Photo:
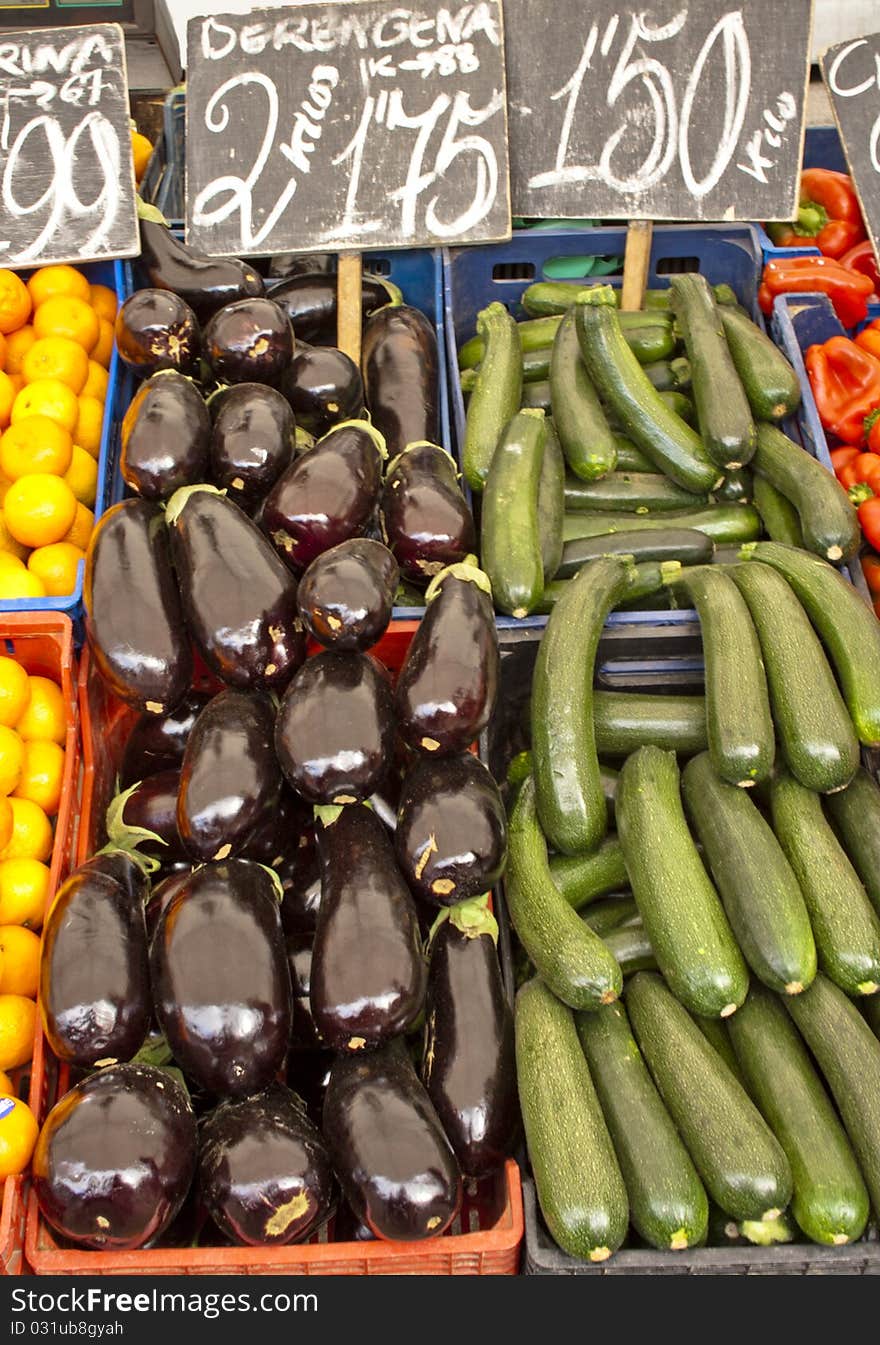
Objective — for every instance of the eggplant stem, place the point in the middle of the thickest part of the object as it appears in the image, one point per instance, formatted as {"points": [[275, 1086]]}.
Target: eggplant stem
{"points": [[177, 503], [124, 837], [467, 570], [359, 424]]}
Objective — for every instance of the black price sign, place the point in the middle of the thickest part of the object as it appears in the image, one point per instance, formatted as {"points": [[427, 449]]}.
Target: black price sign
{"points": [[332, 127], [67, 191], [672, 111], [852, 73]]}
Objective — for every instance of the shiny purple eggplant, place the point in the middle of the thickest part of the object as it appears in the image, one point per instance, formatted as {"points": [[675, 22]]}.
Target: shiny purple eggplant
{"points": [[323, 387], [309, 300], [304, 1036], [205, 283], [300, 875], [426, 521], [252, 442], [145, 816], [155, 330], [346, 595], [249, 341], [158, 743], [164, 436], [401, 374]]}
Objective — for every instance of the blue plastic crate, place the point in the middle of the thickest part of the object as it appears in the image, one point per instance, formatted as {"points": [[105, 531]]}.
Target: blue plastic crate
{"points": [[111, 274], [473, 277]]}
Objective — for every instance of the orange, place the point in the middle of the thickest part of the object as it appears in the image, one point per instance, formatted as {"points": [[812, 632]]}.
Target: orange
{"points": [[57, 357], [8, 394], [35, 444], [18, 1135], [17, 346], [89, 425], [12, 759], [16, 584], [7, 822], [103, 347], [15, 691], [97, 382], [17, 381], [24, 891], [47, 397], [141, 149], [42, 773], [104, 302], [7, 1087], [15, 302], [65, 315], [2, 351], [39, 509], [45, 717], [51, 281], [21, 961], [10, 562], [56, 566], [18, 1018], [81, 529], [31, 834], [82, 475]]}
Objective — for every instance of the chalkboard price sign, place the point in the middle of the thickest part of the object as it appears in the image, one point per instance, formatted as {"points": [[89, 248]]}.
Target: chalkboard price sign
{"points": [[664, 111], [852, 74], [67, 191], [331, 127]]}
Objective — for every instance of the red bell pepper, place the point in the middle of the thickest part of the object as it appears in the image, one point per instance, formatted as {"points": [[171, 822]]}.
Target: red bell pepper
{"points": [[866, 468], [872, 430], [846, 384], [871, 571], [863, 258], [840, 457], [847, 290], [869, 519], [869, 338], [829, 216]]}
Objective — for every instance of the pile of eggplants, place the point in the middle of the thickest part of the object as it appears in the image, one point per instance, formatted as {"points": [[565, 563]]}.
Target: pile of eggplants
{"points": [[281, 967]]}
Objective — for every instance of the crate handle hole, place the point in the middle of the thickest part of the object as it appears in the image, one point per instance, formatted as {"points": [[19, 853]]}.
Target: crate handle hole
{"points": [[513, 271], [671, 266], [379, 266]]}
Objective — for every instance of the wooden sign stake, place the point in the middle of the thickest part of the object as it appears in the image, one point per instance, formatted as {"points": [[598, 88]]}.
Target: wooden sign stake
{"points": [[348, 305], [636, 261]]}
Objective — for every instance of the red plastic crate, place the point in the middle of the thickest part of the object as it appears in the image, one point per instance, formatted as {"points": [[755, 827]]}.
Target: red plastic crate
{"points": [[484, 1240]]}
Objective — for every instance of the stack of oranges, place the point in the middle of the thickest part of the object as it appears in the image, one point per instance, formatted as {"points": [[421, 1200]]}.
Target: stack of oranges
{"points": [[56, 339]]}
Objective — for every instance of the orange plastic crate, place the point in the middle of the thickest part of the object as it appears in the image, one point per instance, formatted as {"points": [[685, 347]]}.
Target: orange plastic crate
{"points": [[42, 642], [484, 1240]]}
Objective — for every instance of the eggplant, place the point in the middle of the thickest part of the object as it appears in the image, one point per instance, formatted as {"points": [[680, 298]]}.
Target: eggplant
{"points": [[394, 1163], [401, 375], [206, 283], [230, 780], [250, 341], [304, 1036], [310, 302], [346, 595], [264, 1171], [161, 897], [327, 495], [239, 597], [308, 1073], [158, 744], [221, 985], [300, 875], [155, 330], [469, 1067], [279, 833], [145, 816], [451, 833], [449, 680], [426, 521], [94, 973], [115, 1158], [334, 734], [252, 442], [285, 265], [134, 619], [323, 387], [124, 869], [367, 972], [164, 436]]}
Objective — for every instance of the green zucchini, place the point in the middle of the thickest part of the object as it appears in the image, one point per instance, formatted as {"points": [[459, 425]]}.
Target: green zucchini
{"points": [[736, 488], [625, 720], [608, 915], [629, 492], [674, 401], [496, 396], [551, 502], [779, 516], [681, 911], [742, 1164], [536, 396], [724, 416], [716, 1034], [667, 1201], [848, 628], [669, 375], [870, 1008], [813, 725], [845, 925], [547, 297], [510, 534], [630, 458], [848, 1054], [828, 520], [586, 440], [649, 335], [631, 948], [583, 878], [569, 792], [754, 879], [724, 523], [686, 545], [855, 814], [672, 446], [830, 1200], [580, 1188], [769, 381], [536, 365], [740, 725], [535, 335], [569, 957]]}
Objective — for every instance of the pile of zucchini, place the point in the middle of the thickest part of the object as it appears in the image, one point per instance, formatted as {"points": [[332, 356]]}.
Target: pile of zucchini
{"points": [[697, 1034], [588, 433]]}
